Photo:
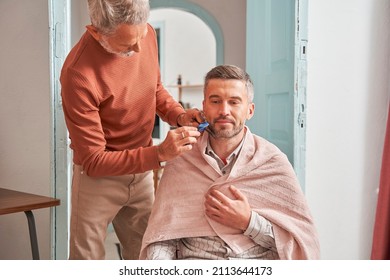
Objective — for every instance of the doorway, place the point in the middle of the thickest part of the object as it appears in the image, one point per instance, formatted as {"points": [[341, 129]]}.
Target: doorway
{"points": [[63, 11]]}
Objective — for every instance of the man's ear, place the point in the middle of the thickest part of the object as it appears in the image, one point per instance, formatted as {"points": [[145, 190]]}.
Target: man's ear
{"points": [[251, 111], [93, 31]]}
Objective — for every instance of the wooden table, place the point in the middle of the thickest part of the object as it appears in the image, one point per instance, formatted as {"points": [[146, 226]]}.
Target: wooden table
{"points": [[14, 201]]}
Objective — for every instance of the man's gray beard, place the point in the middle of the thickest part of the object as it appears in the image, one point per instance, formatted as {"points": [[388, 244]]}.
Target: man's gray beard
{"points": [[224, 133], [109, 50]]}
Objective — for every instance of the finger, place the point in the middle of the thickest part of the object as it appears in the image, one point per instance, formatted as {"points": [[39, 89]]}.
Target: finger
{"points": [[187, 128], [186, 137], [194, 123], [213, 215], [186, 131], [191, 118], [180, 133], [194, 117], [185, 148], [193, 132], [216, 203], [200, 117], [223, 199], [210, 207], [188, 141], [212, 210], [237, 193]]}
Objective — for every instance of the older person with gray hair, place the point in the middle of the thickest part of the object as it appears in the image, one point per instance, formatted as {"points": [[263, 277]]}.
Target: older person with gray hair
{"points": [[111, 92]]}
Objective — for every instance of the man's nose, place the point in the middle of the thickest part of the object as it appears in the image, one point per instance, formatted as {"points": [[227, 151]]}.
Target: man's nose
{"points": [[137, 47], [224, 109]]}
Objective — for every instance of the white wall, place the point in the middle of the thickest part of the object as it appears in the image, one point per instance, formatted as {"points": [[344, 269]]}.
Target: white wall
{"points": [[25, 120], [347, 102], [231, 16], [189, 49]]}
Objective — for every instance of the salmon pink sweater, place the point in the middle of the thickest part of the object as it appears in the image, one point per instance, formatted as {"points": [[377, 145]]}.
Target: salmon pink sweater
{"points": [[110, 103]]}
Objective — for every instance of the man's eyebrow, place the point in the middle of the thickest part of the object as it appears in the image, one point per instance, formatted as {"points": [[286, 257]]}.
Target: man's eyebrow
{"points": [[236, 97], [126, 44], [231, 97]]}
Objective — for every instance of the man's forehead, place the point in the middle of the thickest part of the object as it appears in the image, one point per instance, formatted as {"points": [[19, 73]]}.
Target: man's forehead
{"points": [[225, 85]]}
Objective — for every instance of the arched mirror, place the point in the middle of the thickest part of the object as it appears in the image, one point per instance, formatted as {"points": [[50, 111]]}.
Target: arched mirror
{"points": [[187, 50]]}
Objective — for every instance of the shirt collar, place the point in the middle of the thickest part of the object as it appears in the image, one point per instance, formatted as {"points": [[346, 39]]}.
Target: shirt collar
{"points": [[209, 151]]}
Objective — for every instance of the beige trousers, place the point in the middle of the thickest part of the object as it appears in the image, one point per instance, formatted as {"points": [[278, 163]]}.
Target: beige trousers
{"points": [[126, 201]]}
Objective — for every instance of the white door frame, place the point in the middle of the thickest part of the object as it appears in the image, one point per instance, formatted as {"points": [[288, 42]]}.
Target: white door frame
{"points": [[301, 39], [59, 23]]}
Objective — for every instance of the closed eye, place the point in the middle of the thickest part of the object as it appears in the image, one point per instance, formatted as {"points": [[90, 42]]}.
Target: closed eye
{"points": [[215, 101]]}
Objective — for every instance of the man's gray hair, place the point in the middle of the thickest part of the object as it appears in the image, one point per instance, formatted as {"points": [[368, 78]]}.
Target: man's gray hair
{"points": [[106, 15], [231, 72]]}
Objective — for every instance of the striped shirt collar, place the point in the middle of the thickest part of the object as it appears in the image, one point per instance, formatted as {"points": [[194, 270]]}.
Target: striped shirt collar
{"points": [[225, 167]]}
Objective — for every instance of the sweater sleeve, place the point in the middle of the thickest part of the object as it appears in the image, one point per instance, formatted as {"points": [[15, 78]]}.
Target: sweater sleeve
{"points": [[81, 110], [167, 108]]}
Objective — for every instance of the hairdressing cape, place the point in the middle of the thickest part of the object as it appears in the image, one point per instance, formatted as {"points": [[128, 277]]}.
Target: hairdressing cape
{"points": [[262, 173]]}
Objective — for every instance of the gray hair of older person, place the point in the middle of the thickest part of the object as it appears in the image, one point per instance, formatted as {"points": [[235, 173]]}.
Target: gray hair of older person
{"points": [[231, 72], [106, 15]]}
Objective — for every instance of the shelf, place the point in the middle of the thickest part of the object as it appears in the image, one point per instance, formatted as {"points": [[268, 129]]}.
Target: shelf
{"points": [[181, 87]]}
